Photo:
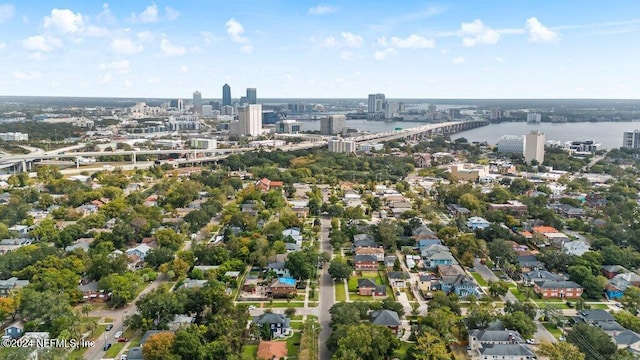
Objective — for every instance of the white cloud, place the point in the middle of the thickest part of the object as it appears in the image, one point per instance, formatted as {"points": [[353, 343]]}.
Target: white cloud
{"points": [[94, 31], [330, 41], [106, 78], [126, 46], [184, 69], [235, 32], [169, 49], [413, 41], [171, 13], [539, 33], [145, 36], [64, 21], [36, 56], [2, 46], [208, 37], [41, 43], [149, 15], [458, 60], [382, 54], [499, 59], [322, 9], [347, 55], [121, 66], [6, 12], [31, 75], [476, 32], [352, 40]]}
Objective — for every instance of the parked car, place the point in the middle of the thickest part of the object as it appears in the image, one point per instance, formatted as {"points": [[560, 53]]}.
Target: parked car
{"points": [[109, 327], [123, 357], [251, 307], [106, 347], [118, 334], [123, 339], [531, 341], [562, 338]]}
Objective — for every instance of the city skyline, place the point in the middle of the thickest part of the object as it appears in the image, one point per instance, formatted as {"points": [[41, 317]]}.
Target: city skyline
{"points": [[335, 49]]}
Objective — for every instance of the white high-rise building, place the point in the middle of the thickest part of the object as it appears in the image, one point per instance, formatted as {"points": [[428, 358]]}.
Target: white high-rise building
{"points": [[511, 144], [631, 139], [390, 110], [534, 118], [333, 124], [534, 147], [250, 120], [341, 145]]}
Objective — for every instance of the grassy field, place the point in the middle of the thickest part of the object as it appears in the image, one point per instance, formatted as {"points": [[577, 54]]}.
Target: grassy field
{"points": [[552, 329], [598, 306], [340, 294], [293, 346], [479, 279], [249, 352]]}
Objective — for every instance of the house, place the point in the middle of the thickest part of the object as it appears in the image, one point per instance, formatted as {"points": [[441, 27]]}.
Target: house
{"points": [[476, 222], [8, 245], [423, 231], [388, 318], [481, 338], [368, 287], [90, 291], [12, 283], [610, 271], [389, 262], [623, 281], [282, 287], [14, 331], [192, 283], [422, 160], [512, 207], [19, 229], [180, 321], [507, 352], [250, 207], [612, 292], [140, 251], [365, 262], [265, 184], [529, 262], [291, 247], [269, 350], [540, 276], [610, 327], [87, 209], [425, 243], [135, 353], [250, 283], [626, 339], [279, 324], [147, 334], [279, 268], [363, 240], [577, 247], [434, 260], [377, 252], [594, 317], [558, 289], [461, 285], [458, 210], [398, 279], [294, 234], [424, 284]]}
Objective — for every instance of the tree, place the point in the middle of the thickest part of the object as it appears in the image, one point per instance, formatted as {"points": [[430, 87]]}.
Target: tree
{"points": [[290, 312], [365, 341], [159, 346], [123, 288], [344, 313], [591, 340], [301, 264], [519, 321], [388, 233], [498, 288], [430, 346], [561, 350], [169, 238], [627, 320], [631, 299], [188, 342], [159, 256], [339, 269], [390, 304]]}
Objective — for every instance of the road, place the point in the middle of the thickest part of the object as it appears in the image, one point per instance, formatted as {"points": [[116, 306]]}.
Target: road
{"points": [[117, 315], [327, 292]]}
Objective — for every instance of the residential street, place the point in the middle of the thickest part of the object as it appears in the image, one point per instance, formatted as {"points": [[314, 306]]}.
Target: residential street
{"points": [[117, 315], [327, 292]]}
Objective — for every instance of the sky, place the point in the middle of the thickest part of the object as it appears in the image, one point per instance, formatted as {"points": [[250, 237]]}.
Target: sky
{"points": [[332, 49]]}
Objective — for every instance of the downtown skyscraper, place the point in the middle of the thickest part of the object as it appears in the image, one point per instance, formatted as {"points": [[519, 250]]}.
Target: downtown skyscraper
{"points": [[226, 95]]}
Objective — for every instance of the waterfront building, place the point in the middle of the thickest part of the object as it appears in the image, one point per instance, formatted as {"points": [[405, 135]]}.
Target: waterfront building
{"points": [[369, 147], [587, 146], [288, 126], [534, 147], [511, 144], [340, 145], [333, 124], [534, 118], [631, 139]]}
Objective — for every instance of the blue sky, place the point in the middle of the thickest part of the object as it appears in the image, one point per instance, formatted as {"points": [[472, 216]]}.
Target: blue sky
{"points": [[305, 49]]}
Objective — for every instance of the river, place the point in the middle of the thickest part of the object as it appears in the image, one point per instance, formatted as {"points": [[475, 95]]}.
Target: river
{"points": [[609, 134]]}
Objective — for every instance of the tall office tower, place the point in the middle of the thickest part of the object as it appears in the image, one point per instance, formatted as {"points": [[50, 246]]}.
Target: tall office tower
{"points": [[376, 103], [197, 102], [534, 118], [390, 110], [534, 147], [631, 139], [332, 124], [180, 105], [513, 144], [250, 120], [252, 95], [226, 95]]}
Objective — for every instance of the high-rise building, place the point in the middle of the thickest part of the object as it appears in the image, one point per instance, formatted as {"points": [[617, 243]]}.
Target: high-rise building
{"points": [[250, 120], [431, 109], [511, 144], [534, 118], [341, 145], [534, 147], [197, 102], [226, 95], [252, 95], [390, 110], [631, 139], [332, 124], [376, 103], [288, 126]]}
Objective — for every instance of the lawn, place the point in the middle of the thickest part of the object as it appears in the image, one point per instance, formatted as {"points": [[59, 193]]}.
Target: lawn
{"points": [[284, 304], [402, 350], [249, 352], [598, 306], [340, 294], [296, 325], [552, 303], [117, 346], [552, 329], [293, 345], [479, 279], [520, 296]]}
